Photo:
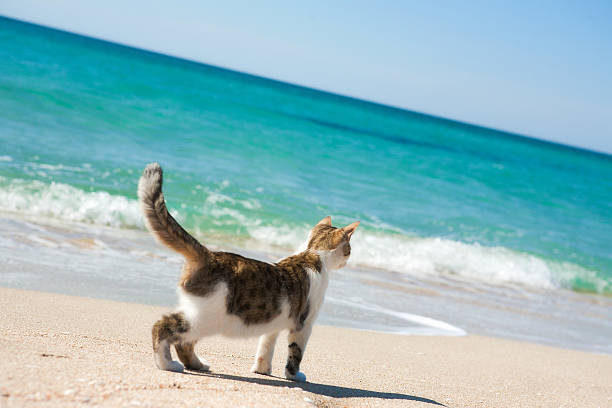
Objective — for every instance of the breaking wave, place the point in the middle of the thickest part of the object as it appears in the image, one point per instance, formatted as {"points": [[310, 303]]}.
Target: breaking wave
{"points": [[62, 201], [416, 256]]}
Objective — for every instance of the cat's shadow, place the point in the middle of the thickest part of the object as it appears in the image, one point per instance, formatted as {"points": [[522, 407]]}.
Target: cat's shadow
{"points": [[333, 391]]}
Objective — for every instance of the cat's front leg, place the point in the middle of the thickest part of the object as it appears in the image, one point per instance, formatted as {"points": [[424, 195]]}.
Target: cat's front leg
{"points": [[297, 344], [265, 351]]}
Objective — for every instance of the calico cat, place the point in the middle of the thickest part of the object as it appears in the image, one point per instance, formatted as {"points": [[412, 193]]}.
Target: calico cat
{"points": [[225, 293]]}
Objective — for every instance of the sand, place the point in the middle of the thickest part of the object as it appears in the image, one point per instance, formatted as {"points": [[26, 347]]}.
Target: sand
{"points": [[63, 351]]}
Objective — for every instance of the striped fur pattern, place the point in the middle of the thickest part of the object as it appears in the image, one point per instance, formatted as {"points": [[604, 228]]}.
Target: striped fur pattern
{"points": [[159, 221], [228, 294]]}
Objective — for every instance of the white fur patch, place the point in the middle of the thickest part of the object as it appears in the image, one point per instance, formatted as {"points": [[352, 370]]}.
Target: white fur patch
{"points": [[208, 316], [316, 295], [265, 351], [163, 363]]}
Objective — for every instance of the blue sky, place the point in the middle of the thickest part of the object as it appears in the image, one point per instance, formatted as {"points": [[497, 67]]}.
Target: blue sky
{"points": [[542, 69]]}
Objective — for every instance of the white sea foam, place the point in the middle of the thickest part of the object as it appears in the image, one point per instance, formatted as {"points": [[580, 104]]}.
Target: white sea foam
{"points": [[437, 256], [426, 326], [58, 167], [421, 257], [215, 197], [427, 257], [57, 200], [283, 236]]}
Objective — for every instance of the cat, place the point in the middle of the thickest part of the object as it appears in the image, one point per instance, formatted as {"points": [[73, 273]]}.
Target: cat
{"points": [[228, 294]]}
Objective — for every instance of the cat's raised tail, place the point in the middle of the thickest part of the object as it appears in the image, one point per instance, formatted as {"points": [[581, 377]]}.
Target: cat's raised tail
{"points": [[159, 221]]}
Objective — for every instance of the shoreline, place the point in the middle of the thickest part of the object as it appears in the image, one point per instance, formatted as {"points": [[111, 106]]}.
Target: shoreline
{"points": [[128, 265], [60, 350]]}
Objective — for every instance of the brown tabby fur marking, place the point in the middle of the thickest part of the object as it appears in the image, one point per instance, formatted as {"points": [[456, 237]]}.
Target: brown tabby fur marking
{"points": [[169, 327], [186, 353]]}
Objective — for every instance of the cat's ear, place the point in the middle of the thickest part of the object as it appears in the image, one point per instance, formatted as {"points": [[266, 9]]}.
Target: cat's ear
{"points": [[325, 221], [349, 229]]}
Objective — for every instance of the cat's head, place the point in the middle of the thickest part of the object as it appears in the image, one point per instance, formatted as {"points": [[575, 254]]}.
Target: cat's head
{"points": [[333, 244]]}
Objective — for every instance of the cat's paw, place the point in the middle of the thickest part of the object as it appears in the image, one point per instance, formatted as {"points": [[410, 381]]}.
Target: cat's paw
{"points": [[198, 365], [261, 367], [298, 377], [174, 366]]}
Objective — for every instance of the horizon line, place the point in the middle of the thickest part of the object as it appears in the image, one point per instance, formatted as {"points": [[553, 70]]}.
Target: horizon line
{"points": [[503, 132]]}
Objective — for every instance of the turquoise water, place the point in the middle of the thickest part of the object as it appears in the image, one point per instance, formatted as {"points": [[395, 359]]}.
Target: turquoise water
{"points": [[255, 162]]}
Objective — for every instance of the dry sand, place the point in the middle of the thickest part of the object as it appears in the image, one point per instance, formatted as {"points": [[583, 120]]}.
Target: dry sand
{"points": [[58, 350]]}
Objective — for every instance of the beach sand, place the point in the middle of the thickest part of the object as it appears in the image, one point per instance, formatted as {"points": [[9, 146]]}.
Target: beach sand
{"points": [[58, 350]]}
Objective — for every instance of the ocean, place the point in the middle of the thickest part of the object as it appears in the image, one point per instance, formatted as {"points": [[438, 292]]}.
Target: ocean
{"points": [[463, 228]]}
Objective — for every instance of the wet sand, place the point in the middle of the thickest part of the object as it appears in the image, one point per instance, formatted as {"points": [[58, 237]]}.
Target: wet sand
{"points": [[58, 350]]}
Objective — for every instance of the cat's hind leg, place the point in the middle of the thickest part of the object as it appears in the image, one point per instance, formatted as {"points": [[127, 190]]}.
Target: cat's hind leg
{"points": [[265, 351], [297, 344], [186, 353], [167, 331]]}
